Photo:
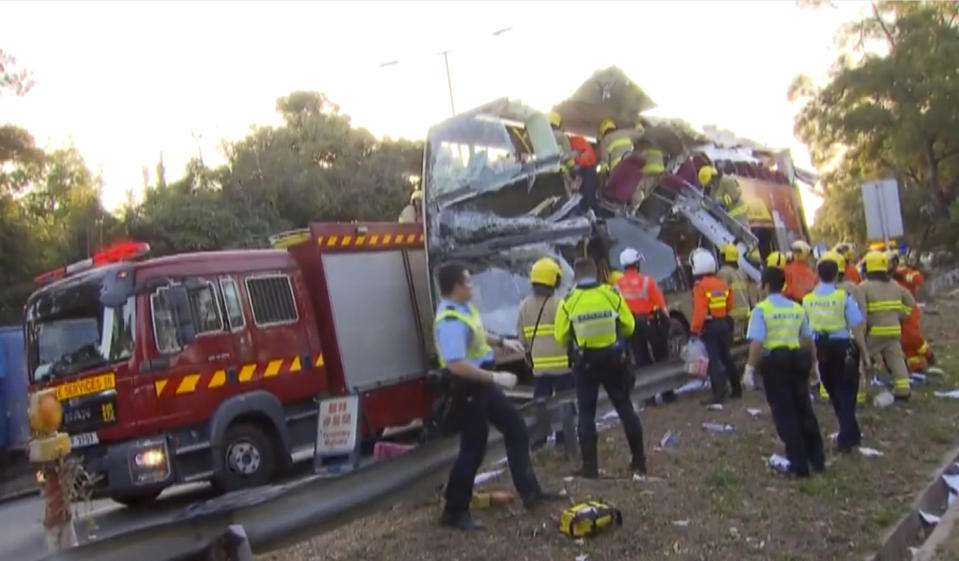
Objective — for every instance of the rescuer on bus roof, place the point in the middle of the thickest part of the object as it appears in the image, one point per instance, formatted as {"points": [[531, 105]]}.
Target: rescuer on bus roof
{"points": [[464, 350], [838, 327], [725, 190], [781, 347], [712, 303], [535, 323], [594, 319], [887, 305]]}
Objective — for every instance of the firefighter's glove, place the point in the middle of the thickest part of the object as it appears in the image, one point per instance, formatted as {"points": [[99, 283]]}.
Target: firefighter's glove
{"points": [[513, 346], [504, 379], [749, 376]]}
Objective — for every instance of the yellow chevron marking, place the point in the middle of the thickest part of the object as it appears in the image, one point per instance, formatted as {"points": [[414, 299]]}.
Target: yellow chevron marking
{"points": [[159, 385], [295, 366], [386, 239], [331, 241], [219, 378], [319, 240], [319, 360], [188, 384], [374, 240], [345, 240], [246, 374], [411, 238], [273, 368], [360, 240]]}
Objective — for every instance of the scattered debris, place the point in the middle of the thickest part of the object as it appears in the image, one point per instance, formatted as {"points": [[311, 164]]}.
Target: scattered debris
{"points": [[778, 463], [936, 370], [716, 427], [954, 394], [568, 479], [870, 452], [715, 407], [493, 498], [881, 381], [692, 386], [951, 481], [884, 399], [918, 379], [681, 523], [384, 450], [753, 412], [610, 415], [930, 519], [669, 439], [582, 557], [482, 478], [639, 477]]}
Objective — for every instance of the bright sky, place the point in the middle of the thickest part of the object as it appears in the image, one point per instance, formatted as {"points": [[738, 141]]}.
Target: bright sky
{"points": [[127, 81]]}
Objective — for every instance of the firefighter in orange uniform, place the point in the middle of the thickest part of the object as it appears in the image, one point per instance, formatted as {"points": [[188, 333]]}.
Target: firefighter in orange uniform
{"points": [[644, 299], [712, 305], [848, 252], [800, 278], [918, 353]]}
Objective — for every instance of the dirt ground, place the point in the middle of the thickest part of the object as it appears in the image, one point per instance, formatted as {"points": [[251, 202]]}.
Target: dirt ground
{"points": [[711, 497]]}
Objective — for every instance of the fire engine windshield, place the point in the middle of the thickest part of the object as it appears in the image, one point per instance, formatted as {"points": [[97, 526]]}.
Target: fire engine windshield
{"points": [[78, 334]]}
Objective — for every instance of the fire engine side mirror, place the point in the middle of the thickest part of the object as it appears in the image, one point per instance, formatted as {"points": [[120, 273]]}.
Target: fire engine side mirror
{"points": [[180, 302], [116, 288]]}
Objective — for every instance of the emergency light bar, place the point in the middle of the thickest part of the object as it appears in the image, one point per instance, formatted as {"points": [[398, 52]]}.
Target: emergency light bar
{"points": [[126, 251]]}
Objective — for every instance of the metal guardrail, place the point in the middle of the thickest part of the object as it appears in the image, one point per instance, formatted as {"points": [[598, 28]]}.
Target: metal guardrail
{"points": [[276, 516]]}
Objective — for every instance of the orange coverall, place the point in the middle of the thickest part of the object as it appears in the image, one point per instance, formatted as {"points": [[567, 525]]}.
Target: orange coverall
{"points": [[852, 273], [914, 346], [800, 280]]}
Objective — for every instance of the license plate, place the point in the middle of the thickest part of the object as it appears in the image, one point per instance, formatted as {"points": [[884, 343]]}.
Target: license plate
{"points": [[84, 439], [86, 386]]}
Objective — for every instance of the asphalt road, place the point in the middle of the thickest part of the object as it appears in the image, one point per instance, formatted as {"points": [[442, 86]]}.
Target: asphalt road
{"points": [[21, 533]]}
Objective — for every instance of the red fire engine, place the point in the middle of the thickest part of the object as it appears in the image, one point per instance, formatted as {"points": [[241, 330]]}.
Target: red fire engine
{"points": [[209, 366]]}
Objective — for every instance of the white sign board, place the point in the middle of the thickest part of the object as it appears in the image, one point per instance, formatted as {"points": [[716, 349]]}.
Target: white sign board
{"points": [[338, 426], [880, 201]]}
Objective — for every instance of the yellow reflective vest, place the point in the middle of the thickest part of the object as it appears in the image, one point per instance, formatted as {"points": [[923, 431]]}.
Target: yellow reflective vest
{"points": [[478, 347], [826, 313], [783, 325], [596, 315]]}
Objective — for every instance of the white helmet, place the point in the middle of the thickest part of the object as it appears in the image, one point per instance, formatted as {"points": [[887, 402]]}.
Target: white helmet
{"points": [[702, 261], [630, 256]]}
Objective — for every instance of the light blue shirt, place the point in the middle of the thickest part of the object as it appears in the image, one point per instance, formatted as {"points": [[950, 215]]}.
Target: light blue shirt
{"points": [[453, 336], [757, 323], [853, 313]]}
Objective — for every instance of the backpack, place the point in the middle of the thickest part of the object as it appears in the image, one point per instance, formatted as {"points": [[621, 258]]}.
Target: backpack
{"points": [[589, 518]]}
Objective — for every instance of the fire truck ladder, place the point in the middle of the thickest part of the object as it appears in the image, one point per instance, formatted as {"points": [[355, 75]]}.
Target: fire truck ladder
{"points": [[712, 220]]}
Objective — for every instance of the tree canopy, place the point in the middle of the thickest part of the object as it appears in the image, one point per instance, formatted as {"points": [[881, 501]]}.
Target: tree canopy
{"points": [[889, 109], [314, 166]]}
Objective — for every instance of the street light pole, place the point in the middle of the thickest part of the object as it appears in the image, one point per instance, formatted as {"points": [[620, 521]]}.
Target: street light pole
{"points": [[449, 81]]}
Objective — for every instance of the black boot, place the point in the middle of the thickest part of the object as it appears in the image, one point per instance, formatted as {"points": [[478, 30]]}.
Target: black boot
{"points": [[639, 453], [588, 448], [461, 521]]}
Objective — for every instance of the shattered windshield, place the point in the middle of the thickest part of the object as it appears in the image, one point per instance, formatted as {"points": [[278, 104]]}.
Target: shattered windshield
{"points": [[80, 338], [483, 152]]}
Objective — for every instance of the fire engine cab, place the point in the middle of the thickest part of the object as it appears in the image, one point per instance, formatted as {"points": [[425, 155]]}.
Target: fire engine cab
{"points": [[209, 366]]}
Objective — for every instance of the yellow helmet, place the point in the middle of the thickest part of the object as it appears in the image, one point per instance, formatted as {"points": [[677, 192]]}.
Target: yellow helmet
{"points": [[613, 277], [876, 262], [754, 255], [776, 260], [835, 257], [416, 196], [545, 271], [606, 125], [706, 174], [801, 249], [730, 253], [555, 119]]}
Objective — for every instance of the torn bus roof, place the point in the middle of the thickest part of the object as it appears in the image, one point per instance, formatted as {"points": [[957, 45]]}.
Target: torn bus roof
{"points": [[608, 93]]}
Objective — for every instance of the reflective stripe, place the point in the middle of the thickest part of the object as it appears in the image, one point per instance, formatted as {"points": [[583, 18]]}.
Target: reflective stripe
{"points": [[826, 313], [543, 329], [557, 361], [782, 325], [717, 300], [620, 143], [738, 210], [924, 349], [593, 313], [886, 330], [901, 384], [478, 347], [885, 306]]}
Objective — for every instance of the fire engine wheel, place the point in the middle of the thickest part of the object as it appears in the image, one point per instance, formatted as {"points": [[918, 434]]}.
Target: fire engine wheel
{"points": [[249, 458]]}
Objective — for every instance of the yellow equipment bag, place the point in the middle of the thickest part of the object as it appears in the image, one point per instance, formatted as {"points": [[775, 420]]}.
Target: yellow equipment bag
{"points": [[587, 519]]}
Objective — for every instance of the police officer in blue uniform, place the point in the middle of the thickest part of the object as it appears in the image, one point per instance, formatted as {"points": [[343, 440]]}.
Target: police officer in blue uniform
{"points": [[781, 345], [465, 351]]}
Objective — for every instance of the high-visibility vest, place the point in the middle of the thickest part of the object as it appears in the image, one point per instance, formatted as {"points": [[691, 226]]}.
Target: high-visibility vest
{"points": [[478, 348], [594, 315], [635, 290], [716, 301], [782, 325], [826, 313]]}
